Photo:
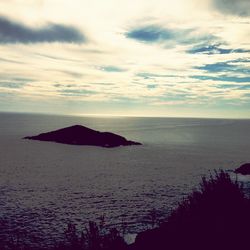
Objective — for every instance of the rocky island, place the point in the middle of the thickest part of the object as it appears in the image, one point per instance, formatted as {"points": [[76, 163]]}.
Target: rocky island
{"points": [[243, 169], [80, 135]]}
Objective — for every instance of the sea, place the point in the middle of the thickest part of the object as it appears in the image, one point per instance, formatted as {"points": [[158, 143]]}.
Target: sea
{"points": [[44, 186]]}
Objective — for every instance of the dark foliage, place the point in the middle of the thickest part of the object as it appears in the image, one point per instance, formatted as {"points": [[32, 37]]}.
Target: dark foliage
{"points": [[243, 169], [94, 237], [215, 217]]}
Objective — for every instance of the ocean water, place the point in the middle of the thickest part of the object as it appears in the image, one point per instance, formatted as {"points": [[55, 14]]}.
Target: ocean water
{"points": [[44, 185]]}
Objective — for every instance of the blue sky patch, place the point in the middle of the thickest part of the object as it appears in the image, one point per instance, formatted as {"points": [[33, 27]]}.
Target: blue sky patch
{"points": [[153, 34], [214, 49], [223, 78], [150, 34], [224, 67]]}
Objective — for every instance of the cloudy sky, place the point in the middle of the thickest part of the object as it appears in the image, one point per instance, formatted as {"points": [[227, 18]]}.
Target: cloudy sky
{"points": [[126, 57]]}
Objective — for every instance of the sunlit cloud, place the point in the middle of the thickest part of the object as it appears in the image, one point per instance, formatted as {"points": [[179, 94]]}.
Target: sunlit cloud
{"points": [[146, 58]]}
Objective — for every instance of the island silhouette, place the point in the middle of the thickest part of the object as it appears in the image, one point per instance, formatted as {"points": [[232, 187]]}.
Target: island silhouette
{"points": [[81, 135]]}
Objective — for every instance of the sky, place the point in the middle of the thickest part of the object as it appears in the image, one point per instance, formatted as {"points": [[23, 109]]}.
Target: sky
{"points": [[182, 58]]}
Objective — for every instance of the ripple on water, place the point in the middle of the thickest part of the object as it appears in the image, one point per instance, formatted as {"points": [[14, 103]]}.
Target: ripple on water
{"points": [[44, 186]]}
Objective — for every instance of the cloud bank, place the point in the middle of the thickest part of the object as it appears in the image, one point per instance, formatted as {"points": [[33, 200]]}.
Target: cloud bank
{"points": [[235, 7], [13, 32], [154, 57]]}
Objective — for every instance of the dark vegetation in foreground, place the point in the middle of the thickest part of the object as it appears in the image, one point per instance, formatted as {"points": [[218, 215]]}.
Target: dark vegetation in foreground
{"points": [[216, 216]]}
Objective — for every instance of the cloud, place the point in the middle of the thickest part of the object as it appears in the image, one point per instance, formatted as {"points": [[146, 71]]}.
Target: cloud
{"points": [[152, 86], [226, 86], [112, 69], [9, 82], [244, 87], [70, 73], [12, 85], [229, 66], [10, 61], [175, 97], [76, 92], [216, 67], [158, 34], [229, 71], [13, 32], [147, 75], [132, 57], [57, 58], [234, 86], [235, 7], [223, 78], [150, 34], [214, 49]]}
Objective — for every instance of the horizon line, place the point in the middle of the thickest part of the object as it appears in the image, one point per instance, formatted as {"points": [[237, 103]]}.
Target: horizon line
{"points": [[106, 115]]}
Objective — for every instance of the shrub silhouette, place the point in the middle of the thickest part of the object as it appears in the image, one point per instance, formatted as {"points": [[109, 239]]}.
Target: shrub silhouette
{"points": [[94, 237], [215, 217]]}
